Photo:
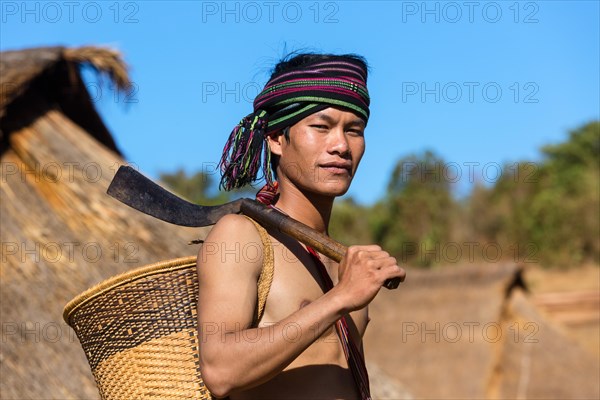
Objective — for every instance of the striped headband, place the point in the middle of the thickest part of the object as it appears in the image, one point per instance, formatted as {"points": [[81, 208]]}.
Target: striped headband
{"points": [[290, 96]]}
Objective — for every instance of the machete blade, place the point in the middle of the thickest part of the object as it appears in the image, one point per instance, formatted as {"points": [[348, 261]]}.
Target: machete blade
{"points": [[134, 189]]}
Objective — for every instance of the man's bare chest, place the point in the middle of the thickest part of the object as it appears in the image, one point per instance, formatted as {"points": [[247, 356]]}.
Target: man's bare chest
{"points": [[297, 282]]}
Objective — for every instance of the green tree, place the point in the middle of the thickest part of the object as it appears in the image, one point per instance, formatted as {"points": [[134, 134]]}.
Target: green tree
{"points": [[350, 223], [565, 208], [414, 220], [546, 212]]}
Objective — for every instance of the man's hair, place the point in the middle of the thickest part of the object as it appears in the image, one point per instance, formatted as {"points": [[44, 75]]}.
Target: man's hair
{"points": [[297, 59]]}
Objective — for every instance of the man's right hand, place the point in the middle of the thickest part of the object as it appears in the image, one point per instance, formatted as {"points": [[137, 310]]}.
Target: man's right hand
{"points": [[362, 272]]}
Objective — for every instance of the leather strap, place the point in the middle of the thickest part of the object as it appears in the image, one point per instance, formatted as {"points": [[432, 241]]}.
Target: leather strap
{"points": [[266, 274]]}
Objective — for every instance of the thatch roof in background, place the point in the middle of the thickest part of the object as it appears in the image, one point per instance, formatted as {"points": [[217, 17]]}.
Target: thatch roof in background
{"points": [[60, 232], [474, 333], [33, 79]]}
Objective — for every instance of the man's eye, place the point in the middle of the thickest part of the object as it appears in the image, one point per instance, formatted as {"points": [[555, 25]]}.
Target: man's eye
{"points": [[319, 126], [356, 132]]}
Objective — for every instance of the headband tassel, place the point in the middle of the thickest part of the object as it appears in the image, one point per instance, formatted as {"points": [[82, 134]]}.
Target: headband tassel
{"points": [[241, 159]]}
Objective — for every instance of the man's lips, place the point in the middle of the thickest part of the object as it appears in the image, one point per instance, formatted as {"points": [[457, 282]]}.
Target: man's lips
{"points": [[337, 167]]}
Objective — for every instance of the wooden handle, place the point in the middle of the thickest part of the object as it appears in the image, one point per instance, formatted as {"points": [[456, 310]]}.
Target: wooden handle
{"points": [[269, 217]]}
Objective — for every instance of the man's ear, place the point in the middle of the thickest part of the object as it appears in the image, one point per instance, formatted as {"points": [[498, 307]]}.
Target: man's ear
{"points": [[275, 140]]}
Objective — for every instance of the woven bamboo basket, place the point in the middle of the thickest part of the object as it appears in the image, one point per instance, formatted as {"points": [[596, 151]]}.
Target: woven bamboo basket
{"points": [[139, 332]]}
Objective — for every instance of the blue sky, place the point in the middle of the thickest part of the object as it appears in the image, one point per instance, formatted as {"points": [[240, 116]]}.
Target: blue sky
{"points": [[479, 83]]}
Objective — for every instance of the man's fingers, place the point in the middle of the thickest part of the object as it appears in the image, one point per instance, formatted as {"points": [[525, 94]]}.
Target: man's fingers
{"points": [[383, 261], [380, 255], [393, 271], [374, 258], [367, 252]]}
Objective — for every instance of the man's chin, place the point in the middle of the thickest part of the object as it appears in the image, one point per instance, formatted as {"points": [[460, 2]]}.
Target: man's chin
{"points": [[335, 188]]}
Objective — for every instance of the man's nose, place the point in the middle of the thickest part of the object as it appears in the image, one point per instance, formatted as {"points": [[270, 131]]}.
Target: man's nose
{"points": [[338, 142]]}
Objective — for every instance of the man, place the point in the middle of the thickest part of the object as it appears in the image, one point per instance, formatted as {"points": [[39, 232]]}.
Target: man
{"points": [[311, 119]]}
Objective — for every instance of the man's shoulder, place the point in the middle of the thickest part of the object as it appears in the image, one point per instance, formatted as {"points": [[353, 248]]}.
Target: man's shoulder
{"points": [[234, 227], [234, 234]]}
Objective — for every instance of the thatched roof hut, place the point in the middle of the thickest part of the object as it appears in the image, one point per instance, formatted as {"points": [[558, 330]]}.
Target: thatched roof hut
{"points": [[472, 333], [60, 232]]}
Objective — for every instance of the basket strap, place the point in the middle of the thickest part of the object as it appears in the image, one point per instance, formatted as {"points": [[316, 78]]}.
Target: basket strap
{"points": [[266, 274]]}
